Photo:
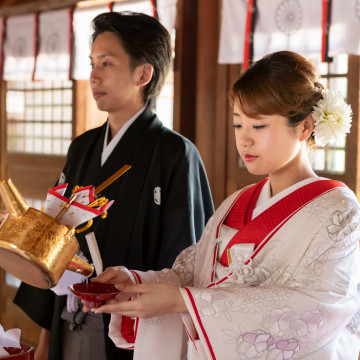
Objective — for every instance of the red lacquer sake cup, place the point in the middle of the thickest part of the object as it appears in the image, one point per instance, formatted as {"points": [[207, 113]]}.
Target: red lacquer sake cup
{"points": [[25, 353], [94, 294]]}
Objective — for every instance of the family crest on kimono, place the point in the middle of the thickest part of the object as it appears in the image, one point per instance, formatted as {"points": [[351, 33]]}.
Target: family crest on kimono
{"points": [[275, 274], [162, 203]]}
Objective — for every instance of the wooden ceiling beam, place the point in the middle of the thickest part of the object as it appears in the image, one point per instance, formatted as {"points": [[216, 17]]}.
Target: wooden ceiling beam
{"points": [[19, 7]]}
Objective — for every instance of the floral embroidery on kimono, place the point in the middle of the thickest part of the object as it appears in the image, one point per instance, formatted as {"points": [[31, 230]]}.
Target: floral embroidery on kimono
{"points": [[293, 294]]}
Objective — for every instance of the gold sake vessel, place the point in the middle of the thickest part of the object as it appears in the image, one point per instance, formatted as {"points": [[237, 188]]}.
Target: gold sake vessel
{"points": [[34, 247]]}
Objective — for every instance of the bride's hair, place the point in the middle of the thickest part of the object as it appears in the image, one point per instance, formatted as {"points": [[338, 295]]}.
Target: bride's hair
{"points": [[283, 83]]}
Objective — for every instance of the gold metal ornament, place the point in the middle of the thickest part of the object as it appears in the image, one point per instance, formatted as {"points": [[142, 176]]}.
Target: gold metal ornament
{"points": [[34, 247]]}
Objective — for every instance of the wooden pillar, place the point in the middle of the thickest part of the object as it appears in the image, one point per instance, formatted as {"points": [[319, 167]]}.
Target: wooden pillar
{"points": [[211, 105], [3, 175], [185, 69], [353, 142]]}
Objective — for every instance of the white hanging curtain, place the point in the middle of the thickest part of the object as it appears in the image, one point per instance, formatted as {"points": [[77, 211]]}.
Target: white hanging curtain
{"points": [[139, 6], [232, 31], [166, 10], [288, 25], [344, 35], [53, 60], [82, 19], [295, 25], [19, 48]]}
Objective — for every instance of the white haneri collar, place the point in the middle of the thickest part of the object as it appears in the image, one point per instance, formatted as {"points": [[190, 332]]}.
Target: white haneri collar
{"points": [[265, 200], [108, 148]]}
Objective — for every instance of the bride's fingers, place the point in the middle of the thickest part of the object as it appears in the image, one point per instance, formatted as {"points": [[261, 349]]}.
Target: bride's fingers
{"points": [[126, 308], [115, 275], [108, 275]]}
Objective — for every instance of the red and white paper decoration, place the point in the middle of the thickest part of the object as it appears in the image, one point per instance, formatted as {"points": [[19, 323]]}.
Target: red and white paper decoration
{"points": [[19, 48], [53, 59]]}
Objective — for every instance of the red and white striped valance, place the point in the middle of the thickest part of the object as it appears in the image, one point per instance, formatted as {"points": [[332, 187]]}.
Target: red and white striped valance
{"points": [[55, 45], [302, 26]]}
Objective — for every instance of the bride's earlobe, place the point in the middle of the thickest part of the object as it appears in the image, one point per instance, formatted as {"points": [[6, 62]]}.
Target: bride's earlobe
{"points": [[308, 126]]}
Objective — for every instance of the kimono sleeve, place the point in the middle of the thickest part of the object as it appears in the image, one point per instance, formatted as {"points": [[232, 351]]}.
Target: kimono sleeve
{"points": [[142, 334], [186, 265]]}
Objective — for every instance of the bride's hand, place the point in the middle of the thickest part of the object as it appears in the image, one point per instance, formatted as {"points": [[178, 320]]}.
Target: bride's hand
{"points": [[154, 300], [118, 275]]}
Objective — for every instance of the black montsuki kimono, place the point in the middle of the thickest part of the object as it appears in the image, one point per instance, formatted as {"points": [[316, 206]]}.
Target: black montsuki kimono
{"points": [[142, 230]]}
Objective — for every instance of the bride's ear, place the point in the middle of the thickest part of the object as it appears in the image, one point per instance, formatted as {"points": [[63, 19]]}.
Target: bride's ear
{"points": [[307, 127]]}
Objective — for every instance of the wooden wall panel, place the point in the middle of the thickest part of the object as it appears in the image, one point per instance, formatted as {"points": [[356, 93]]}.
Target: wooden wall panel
{"points": [[34, 174]]}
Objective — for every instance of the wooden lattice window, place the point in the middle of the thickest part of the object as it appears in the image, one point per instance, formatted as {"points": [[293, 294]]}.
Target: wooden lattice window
{"points": [[334, 76], [39, 117]]}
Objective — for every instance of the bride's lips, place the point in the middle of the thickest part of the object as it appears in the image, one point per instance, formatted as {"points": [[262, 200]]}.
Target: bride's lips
{"points": [[249, 158]]}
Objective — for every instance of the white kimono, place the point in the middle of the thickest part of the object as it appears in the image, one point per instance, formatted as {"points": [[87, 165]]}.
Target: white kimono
{"points": [[296, 296]]}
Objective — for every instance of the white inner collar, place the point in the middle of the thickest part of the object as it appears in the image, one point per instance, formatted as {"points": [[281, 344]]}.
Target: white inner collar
{"points": [[265, 199], [109, 147]]}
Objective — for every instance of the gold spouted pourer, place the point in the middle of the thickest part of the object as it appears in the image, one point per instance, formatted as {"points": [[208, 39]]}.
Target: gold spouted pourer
{"points": [[36, 246]]}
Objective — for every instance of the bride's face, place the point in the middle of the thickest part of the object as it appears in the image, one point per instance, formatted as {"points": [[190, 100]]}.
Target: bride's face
{"points": [[267, 145]]}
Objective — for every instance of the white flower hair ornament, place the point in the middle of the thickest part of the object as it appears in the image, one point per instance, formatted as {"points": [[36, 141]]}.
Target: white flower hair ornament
{"points": [[332, 118]]}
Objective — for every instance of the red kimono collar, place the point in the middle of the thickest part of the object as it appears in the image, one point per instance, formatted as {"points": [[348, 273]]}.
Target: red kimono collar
{"points": [[256, 230]]}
